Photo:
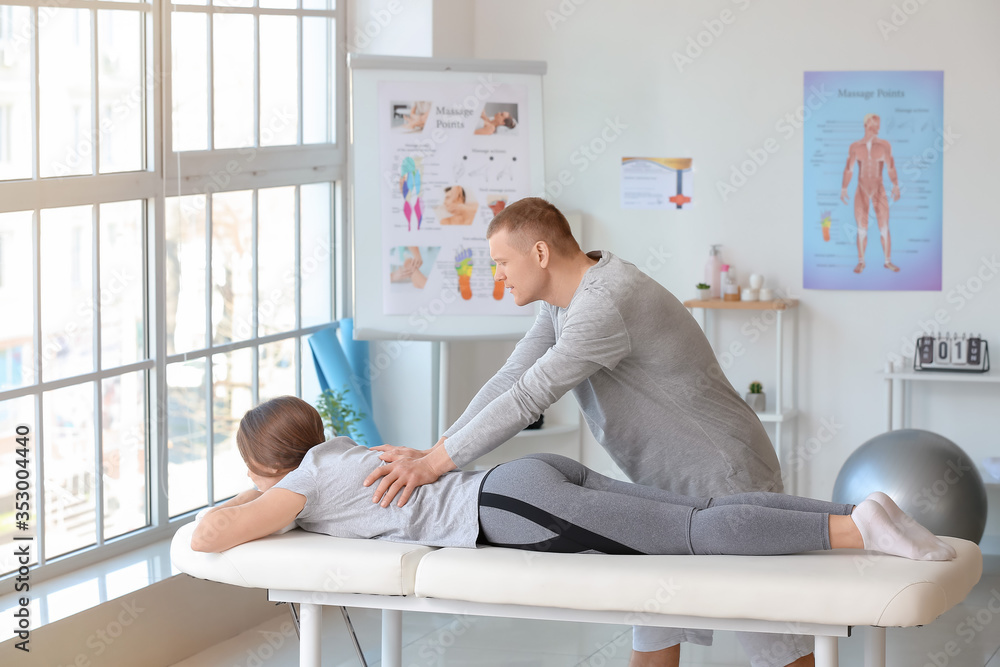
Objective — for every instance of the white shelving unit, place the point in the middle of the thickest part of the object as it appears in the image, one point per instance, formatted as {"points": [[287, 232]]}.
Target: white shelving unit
{"points": [[785, 402], [897, 384]]}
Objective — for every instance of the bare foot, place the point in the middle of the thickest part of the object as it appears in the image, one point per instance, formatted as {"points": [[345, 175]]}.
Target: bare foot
{"points": [[860, 267], [892, 267]]}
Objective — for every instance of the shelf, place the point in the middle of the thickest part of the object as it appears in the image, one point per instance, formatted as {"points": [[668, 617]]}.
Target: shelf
{"points": [[719, 304], [554, 429], [774, 417], [943, 376]]}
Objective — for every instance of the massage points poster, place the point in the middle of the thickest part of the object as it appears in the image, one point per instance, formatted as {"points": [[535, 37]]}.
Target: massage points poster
{"points": [[873, 146], [450, 160]]}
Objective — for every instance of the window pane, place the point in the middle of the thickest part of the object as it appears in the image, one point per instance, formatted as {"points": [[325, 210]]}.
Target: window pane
{"points": [[279, 80], [124, 449], [316, 80], [122, 329], [233, 80], [68, 447], [232, 267], [67, 292], [185, 259], [187, 444], [316, 267], [277, 369], [310, 381], [189, 59], [16, 45], [277, 4], [66, 98], [12, 413], [17, 344], [276, 260], [121, 89], [232, 396]]}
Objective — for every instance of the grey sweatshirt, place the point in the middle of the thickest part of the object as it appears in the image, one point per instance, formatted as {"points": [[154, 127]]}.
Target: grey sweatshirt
{"points": [[646, 379]]}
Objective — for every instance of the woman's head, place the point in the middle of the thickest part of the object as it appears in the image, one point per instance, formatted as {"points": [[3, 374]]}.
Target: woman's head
{"points": [[274, 436]]}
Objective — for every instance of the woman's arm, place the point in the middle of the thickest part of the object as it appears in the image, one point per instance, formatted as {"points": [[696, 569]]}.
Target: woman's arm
{"points": [[234, 523]]}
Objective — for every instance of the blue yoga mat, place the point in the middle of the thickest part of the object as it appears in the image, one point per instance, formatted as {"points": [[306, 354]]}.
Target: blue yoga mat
{"points": [[335, 371]]}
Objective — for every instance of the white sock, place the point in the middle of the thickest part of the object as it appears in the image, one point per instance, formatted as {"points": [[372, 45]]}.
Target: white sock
{"points": [[880, 534], [907, 523]]}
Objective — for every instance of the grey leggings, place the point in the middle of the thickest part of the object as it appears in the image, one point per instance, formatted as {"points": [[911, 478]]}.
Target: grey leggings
{"points": [[546, 502]]}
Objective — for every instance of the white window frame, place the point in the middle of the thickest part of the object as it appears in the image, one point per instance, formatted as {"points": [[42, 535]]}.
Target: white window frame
{"points": [[166, 174]]}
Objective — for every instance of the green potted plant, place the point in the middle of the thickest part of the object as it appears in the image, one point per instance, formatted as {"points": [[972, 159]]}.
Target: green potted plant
{"points": [[704, 291], [339, 416], [756, 398]]}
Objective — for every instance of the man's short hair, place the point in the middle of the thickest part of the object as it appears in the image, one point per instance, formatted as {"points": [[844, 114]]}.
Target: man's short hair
{"points": [[532, 219]]}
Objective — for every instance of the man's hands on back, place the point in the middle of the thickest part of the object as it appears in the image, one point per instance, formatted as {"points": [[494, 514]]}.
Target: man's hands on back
{"points": [[406, 469]]}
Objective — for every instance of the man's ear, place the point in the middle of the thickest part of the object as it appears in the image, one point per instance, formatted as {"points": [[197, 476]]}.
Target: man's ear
{"points": [[542, 253]]}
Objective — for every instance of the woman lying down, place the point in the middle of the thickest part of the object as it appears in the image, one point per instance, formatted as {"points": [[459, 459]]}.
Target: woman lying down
{"points": [[541, 502]]}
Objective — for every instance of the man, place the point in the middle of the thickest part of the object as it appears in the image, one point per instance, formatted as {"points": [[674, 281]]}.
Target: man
{"points": [[871, 154], [646, 380]]}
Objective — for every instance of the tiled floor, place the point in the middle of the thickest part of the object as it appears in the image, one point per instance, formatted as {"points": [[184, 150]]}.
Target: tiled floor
{"points": [[970, 631]]}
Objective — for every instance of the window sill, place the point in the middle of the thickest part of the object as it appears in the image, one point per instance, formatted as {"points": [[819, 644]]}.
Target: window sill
{"points": [[71, 593]]}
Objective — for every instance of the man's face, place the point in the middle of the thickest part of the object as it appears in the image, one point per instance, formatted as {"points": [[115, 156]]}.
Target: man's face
{"points": [[518, 270], [873, 124]]}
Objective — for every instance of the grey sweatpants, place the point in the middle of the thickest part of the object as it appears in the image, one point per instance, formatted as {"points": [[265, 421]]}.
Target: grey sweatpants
{"points": [[546, 502]]}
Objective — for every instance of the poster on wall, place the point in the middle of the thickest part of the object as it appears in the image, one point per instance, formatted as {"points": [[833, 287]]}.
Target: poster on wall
{"points": [[873, 150], [656, 183], [450, 160]]}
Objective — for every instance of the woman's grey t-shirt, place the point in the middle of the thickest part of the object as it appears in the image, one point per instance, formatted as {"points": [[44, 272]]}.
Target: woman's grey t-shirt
{"points": [[442, 514]]}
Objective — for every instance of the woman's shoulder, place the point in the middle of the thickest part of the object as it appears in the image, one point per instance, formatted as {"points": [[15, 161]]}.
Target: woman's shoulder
{"points": [[335, 447]]}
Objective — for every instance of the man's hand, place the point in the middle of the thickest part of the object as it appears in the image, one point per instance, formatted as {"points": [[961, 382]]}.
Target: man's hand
{"points": [[895, 193], [392, 453], [843, 195], [407, 473]]}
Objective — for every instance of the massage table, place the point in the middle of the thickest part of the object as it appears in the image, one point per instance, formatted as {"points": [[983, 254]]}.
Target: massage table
{"points": [[824, 594]]}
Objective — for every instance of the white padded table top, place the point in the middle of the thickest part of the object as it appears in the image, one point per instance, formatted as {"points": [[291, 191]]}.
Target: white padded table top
{"points": [[302, 561], [848, 587]]}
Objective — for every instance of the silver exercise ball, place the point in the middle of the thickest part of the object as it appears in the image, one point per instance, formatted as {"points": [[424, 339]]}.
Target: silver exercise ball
{"points": [[930, 477]]}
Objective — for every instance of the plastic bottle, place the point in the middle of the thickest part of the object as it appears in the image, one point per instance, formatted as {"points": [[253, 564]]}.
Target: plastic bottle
{"points": [[723, 277], [712, 268], [730, 288]]}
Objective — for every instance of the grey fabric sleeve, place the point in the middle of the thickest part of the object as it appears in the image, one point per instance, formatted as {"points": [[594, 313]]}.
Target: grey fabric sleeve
{"points": [[303, 482], [540, 337], [593, 337]]}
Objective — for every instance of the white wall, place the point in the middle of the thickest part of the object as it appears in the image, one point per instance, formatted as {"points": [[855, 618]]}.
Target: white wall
{"points": [[613, 62], [390, 27]]}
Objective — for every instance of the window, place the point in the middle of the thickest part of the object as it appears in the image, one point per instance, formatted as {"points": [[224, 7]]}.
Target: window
{"points": [[179, 261]]}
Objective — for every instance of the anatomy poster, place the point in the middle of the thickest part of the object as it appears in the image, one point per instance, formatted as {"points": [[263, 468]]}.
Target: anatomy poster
{"points": [[874, 147], [452, 155]]}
